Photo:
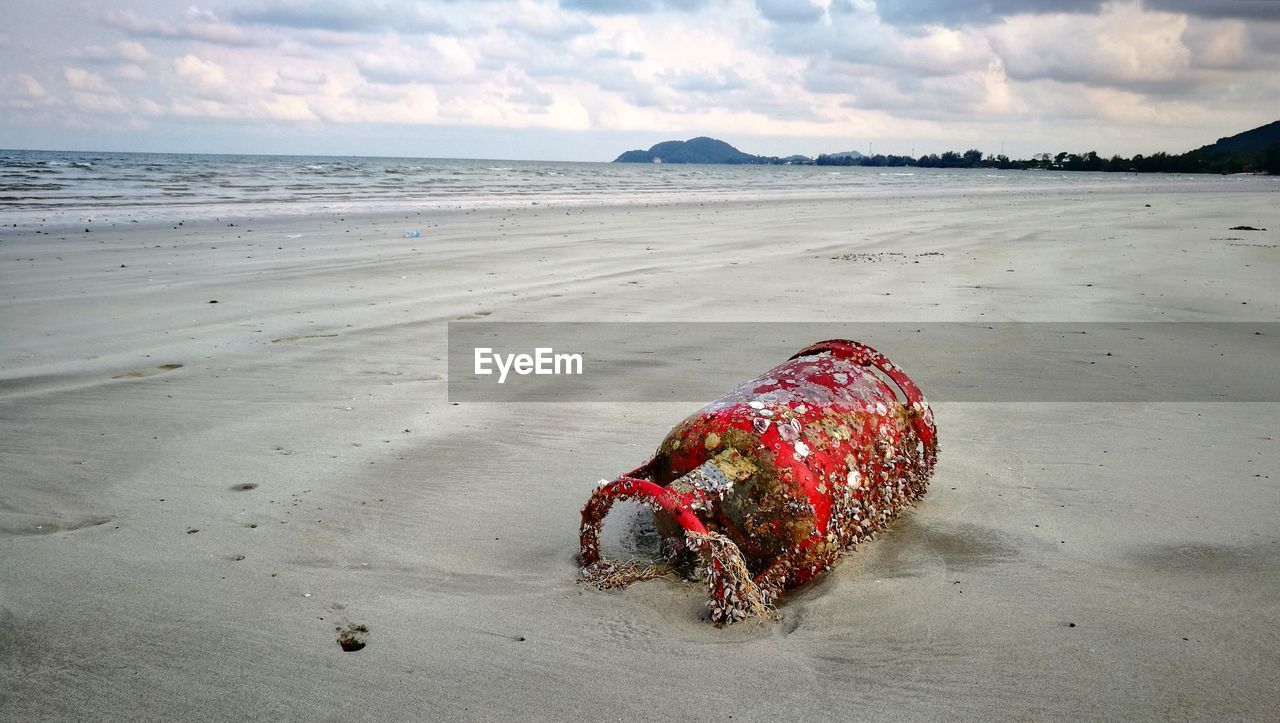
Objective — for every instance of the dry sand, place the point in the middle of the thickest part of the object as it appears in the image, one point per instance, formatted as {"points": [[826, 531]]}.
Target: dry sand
{"points": [[183, 541]]}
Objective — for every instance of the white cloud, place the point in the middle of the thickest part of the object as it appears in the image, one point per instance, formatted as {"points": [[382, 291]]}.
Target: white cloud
{"points": [[91, 93], [203, 76], [132, 51], [30, 87], [124, 53], [99, 103], [22, 92], [545, 22], [813, 68], [298, 81], [129, 71], [438, 60], [1224, 44], [79, 79], [791, 11], [1123, 47], [289, 108], [195, 24]]}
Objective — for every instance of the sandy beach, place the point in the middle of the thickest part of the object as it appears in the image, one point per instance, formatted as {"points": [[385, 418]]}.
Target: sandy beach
{"points": [[197, 495]]}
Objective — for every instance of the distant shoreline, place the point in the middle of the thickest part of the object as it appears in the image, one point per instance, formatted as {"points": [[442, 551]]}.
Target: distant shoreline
{"points": [[62, 188]]}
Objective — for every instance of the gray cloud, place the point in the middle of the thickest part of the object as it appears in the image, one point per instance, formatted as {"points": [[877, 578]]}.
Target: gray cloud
{"points": [[1244, 9], [195, 24], [531, 96], [696, 82], [631, 7], [351, 16], [554, 29], [790, 11], [293, 81], [403, 70], [949, 12], [873, 88], [611, 54]]}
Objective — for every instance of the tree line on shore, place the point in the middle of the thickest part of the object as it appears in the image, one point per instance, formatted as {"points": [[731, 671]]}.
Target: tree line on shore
{"points": [[1197, 161]]}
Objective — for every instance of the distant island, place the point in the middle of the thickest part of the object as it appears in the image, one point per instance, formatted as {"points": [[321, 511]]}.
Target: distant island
{"points": [[1253, 151], [694, 150]]}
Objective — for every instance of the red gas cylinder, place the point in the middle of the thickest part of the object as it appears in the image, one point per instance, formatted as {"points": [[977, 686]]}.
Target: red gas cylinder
{"points": [[768, 485]]}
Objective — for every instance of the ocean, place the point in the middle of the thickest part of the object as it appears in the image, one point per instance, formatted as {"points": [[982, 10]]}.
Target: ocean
{"points": [[65, 186]]}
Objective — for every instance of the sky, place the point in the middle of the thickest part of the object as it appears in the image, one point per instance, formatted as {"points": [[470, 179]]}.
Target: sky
{"points": [[584, 80]]}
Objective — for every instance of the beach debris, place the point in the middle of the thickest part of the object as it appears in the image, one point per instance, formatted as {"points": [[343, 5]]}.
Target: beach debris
{"points": [[765, 488], [353, 637], [415, 233], [884, 256]]}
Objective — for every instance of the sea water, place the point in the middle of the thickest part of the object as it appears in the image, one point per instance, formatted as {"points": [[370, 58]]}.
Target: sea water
{"points": [[66, 186]]}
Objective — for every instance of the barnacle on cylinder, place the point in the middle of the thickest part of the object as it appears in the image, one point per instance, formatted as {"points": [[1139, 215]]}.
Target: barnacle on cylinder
{"points": [[763, 489]]}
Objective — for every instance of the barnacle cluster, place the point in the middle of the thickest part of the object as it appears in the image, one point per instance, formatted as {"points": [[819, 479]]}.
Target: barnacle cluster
{"points": [[784, 474]]}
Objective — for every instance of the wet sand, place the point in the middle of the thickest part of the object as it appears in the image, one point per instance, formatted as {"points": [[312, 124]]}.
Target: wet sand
{"points": [[199, 498]]}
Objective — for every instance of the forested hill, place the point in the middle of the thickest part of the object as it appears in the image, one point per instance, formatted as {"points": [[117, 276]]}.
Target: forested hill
{"points": [[694, 150], [1254, 142]]}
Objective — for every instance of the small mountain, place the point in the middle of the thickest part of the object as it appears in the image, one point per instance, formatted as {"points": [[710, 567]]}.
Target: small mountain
{"points": [[851, 155], [1254, 142], [694, 150]]}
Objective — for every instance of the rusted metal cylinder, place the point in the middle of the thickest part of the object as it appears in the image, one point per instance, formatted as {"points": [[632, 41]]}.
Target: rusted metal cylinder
{"points": [[771, 483]]}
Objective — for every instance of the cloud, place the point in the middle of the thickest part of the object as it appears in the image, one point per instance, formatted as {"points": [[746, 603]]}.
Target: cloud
{"points": [[632, 7], [22, 92], [829, 68], [129, 71], [950, 12], [91, 92], [79, 79], [1220, 44], [530, 95], [201, 77], [614, 54], [1245, 9], [194, 24], [790, 11], [126, 51], [1124, 48], [719, 81], [301, 82], [975, 93], [438, 61], [1110, 110], [30, 87], [132, 52], [858, 37], [345, 16], [544, 23], [288, 109]]}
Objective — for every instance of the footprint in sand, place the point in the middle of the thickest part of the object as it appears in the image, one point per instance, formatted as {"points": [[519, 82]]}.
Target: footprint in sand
{"points": [[288, 339], [51, 526], [139, 373]]}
